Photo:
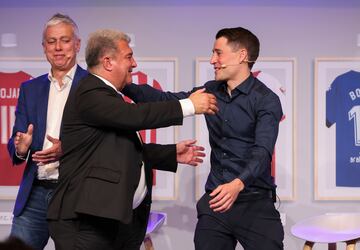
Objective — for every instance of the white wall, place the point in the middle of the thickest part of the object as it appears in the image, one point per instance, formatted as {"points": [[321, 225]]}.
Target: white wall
{"points": [[303, 30]]}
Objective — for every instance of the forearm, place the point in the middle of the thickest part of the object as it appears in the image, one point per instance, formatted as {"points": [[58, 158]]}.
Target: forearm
{"points": [[161, 157], [258, 162], [122, 115]]}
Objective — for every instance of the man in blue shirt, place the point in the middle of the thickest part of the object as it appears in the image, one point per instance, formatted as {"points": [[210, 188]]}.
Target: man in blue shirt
{"points": [[239, 201]]}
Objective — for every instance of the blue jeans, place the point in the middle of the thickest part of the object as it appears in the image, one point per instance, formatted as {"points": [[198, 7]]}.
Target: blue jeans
{"points": [[31, 226]]}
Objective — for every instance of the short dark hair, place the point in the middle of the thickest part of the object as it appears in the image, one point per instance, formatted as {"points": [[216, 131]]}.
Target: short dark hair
{"points": [[242, 38]]}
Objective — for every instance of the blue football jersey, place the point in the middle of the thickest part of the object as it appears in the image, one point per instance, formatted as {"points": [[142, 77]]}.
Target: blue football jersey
{"points": [[343, 108]]}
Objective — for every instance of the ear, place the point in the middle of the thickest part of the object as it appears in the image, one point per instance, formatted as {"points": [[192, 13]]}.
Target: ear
{"points": [[77, 45], [243, 55], [43, 45], [107, 63]]}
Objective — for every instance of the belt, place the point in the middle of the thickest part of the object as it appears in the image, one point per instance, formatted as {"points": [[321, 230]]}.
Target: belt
{"points": [[255, 195], [48, 184]]}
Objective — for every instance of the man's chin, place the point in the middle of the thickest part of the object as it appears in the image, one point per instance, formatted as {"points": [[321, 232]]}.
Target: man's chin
{"points": [[218, 78], [61, 66]]}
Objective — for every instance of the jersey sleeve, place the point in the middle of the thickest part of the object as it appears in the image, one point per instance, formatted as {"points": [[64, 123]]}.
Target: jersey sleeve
{"points": [[331, 95]]}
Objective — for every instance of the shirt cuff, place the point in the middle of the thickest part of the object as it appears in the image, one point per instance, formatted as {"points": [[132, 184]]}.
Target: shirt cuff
{"points": [[22, 157], [187, 107]]}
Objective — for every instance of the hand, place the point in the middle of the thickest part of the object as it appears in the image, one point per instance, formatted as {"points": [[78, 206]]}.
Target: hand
{"points": [[224, 196], [204, 103], [189, 153], [49, 155], [23, 141]]}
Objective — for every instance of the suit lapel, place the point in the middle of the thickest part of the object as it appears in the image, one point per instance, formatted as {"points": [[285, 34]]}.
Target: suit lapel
{"points": [[42, 108]]}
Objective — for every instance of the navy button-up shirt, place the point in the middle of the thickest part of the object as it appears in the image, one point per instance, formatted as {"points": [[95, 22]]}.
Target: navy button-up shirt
{"points": [[242, 134]]}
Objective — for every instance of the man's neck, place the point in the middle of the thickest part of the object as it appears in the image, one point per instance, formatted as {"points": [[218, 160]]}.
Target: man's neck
{"points": [[232, 84], [59, 74]]}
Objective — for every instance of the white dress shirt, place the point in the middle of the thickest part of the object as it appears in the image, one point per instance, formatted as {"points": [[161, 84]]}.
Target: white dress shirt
{"points": [[57, 99]]}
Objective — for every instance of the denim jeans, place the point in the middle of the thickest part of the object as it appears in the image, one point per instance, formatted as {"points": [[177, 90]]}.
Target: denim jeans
{"points": [[31, 226]]}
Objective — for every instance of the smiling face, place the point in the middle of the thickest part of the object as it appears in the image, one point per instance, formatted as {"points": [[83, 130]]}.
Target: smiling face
{"points": [[122, 64], [228, 63], [60, 47]]}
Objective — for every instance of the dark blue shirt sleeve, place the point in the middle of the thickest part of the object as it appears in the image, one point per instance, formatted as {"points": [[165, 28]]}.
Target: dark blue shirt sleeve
{"points": [[269, 114], [146, 93]]}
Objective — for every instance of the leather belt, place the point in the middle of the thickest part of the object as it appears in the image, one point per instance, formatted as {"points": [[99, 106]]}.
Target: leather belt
{"points": [[48, 184], [255, 195]]}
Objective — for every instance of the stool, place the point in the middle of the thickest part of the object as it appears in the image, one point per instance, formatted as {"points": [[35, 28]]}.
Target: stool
{"points": [[156, 219], [329, 228]]}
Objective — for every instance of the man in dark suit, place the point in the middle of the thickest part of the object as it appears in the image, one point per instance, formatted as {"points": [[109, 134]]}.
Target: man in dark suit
{"points": [[35, 137], [104, 192]]}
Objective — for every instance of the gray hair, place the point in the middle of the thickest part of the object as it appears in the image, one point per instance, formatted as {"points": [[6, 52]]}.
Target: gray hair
{"points": [[61, 18], [101, 43]]}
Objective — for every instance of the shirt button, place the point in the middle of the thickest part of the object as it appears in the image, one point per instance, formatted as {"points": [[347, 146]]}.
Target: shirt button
{"points": [[224, 154]]}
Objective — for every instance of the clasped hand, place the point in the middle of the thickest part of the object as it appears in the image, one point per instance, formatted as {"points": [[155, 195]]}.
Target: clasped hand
{"points": [[204, 103]]}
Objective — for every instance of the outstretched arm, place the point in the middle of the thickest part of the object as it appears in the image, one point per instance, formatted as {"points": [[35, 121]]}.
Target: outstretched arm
{"points": [[203, 102], [146, 93], [166, 157]]}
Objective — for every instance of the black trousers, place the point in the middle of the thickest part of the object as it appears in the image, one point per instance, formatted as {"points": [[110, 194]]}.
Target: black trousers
{"points": [[255, 224], [94, 233]]}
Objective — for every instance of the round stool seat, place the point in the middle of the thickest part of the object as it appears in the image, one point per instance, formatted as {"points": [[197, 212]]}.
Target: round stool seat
{"points": [[328, 228]]}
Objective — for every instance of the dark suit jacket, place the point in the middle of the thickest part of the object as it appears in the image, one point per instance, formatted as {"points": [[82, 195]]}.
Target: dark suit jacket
{"points": [[100, 168], [32, 108]]}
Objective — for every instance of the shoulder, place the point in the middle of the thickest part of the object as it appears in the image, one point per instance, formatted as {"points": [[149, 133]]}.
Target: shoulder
{"points": [[347, 77], [265, 97], [91, 83], [261, 89], [89, 80], [35, 82], [213, 86], [81, 72]]}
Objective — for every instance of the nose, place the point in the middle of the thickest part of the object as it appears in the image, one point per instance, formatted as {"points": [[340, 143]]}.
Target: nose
{"points": [[213, 59], [58, 45], [133, 64]]}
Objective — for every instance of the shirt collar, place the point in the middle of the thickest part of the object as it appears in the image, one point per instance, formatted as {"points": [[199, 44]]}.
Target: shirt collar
{"points": [[67, 79], [245, 86], [107, 83]]}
